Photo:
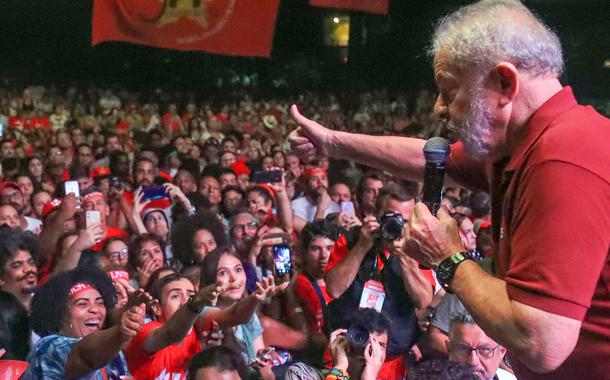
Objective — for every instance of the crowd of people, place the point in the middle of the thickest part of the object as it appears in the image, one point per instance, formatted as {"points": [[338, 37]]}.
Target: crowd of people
{"points": [[149, 244]]}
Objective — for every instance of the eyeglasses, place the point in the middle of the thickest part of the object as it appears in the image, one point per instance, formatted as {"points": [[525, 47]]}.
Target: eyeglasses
{"points": [[482, 351], [119, 254], [247, 226]]}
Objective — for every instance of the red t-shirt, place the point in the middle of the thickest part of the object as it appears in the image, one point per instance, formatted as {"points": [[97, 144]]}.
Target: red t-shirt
{"points": [[169, 363], [310, 302], [111, 232], [551, 225]]}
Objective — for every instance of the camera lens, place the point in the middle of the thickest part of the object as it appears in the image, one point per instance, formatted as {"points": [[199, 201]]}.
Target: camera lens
{"points": [[358, 338], [391, 226]]}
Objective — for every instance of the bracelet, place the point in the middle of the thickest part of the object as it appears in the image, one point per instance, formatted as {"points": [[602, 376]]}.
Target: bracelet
{"points": [[337, 374], [295, 311]]}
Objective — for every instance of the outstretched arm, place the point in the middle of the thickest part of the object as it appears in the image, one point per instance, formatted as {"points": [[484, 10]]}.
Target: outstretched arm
{"points": [[401, 156]]}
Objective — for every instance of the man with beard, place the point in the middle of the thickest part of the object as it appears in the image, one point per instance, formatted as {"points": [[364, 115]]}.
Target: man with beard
{"points": [[468, 344], [525, 140], [12, 195], [18, 272], [143, 172], [316, 203]]}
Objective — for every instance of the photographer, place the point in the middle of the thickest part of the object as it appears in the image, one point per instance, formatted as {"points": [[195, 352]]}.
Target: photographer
{"points": [[368, 268], [358, 352]]}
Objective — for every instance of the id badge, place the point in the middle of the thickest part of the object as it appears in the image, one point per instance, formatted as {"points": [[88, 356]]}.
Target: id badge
{"points": [[372, 296]]}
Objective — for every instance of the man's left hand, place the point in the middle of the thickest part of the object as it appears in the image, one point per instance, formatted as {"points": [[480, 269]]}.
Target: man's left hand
{"points": [[436, 237]]}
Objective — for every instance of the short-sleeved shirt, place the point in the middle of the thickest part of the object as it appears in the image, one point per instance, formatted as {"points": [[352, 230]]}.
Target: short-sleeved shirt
{"points": [[48, 359], [551, 224], [311, 303], [170, 362], [306, 210], [246, 334]]}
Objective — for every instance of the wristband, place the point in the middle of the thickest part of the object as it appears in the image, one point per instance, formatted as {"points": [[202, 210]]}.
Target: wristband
{"points": [[337, 374]]}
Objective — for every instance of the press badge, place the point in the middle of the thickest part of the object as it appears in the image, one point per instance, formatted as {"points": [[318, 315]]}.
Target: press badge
{"points": [[372, 296]]}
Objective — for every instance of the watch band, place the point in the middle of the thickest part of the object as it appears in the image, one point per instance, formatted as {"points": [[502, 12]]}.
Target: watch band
{"points": [[446, 269], [190, 304]]}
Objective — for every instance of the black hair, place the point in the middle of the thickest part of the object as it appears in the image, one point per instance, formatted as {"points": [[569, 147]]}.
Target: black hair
{"points": [[183, 232], [223, 171], [136, 245], [14, 328], [154, 276], [318, 228], [373, 320], [113, 160], [14, 240], [373, 174], [395, 191], [480, 204], [442, 369], [209, 266], [138, 160], [50, 302], [157, 286], [223, 358], [263, 192]]}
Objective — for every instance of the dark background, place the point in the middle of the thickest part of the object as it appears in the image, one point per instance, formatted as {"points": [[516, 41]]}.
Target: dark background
{"points": [[49, 41]]}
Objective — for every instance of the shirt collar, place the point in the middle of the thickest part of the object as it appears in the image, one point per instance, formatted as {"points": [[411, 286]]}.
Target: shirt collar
{"points": [[539, 122]]}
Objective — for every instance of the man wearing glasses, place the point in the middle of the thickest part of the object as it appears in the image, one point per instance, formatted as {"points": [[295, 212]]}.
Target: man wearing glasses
{"points": [[468, 344]]}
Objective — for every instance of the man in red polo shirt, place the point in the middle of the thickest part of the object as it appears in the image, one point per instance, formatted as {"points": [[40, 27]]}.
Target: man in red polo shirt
{"points": [[543, 158]]}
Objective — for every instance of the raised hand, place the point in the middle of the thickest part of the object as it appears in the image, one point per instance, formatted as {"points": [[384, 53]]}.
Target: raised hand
{"points": [[338, 348], [132, 321], [89, 237], [435, 237], [266, 288], [145, 271], [207, 296], [311, 139], [374, 356], [138, 205], [368, 232]]}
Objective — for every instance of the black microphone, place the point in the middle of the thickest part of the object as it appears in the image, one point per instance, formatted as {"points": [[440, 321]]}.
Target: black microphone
{"points": [[436, 152]]}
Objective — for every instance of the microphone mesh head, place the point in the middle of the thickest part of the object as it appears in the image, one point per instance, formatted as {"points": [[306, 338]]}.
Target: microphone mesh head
{"points": [[437, 150]]}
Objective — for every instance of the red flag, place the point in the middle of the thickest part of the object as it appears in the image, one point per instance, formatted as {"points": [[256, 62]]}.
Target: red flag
{"points": [[231, 27], [371, 6]]}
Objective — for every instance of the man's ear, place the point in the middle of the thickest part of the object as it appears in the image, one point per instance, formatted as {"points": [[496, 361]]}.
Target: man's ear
{"points": [[448, 345], [506, 76]]}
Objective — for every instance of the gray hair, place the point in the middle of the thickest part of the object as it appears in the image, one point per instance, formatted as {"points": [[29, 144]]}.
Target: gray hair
{"points": [[481, 35], [460, 319]]}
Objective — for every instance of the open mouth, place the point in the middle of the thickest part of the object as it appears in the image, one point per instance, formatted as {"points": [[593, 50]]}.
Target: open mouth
{"points": [[93, 323]]}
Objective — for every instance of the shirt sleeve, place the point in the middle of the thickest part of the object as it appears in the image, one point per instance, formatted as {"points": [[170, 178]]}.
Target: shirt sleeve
{"points": [[560, 236], [338, 253], [466, 171]]}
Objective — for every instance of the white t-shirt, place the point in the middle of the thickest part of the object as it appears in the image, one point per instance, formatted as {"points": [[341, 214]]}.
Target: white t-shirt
{"points": [[304, 209], [505, 375]]}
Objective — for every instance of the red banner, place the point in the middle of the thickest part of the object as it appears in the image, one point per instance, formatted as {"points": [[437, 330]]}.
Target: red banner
{"points": [[371, 6], [230, 27]]}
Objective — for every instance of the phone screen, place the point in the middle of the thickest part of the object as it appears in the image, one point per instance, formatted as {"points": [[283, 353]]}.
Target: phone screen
{"points": [[347, 208], [72, 187], [92, 217], [283, 260], [154, 192]]}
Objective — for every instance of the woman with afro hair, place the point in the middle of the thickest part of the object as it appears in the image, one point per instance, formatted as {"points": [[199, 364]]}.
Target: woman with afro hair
{"points": [[69, 313]]}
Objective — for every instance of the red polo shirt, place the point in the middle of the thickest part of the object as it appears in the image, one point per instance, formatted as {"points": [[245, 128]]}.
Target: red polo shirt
{"points": [[551, 220]]}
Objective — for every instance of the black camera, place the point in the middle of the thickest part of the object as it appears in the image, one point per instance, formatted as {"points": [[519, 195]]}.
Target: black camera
{"points": [[358, 337], [391, 225]]}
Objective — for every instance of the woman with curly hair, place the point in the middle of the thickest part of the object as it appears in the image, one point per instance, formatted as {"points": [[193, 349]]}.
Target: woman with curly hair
{"points": [[146, 255], [69, 312], [194, 237]]}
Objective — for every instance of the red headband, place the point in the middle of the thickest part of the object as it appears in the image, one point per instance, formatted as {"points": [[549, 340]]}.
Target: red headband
{"points": [[78, 288], [118, 275], [313, 171], [93, 194]]}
